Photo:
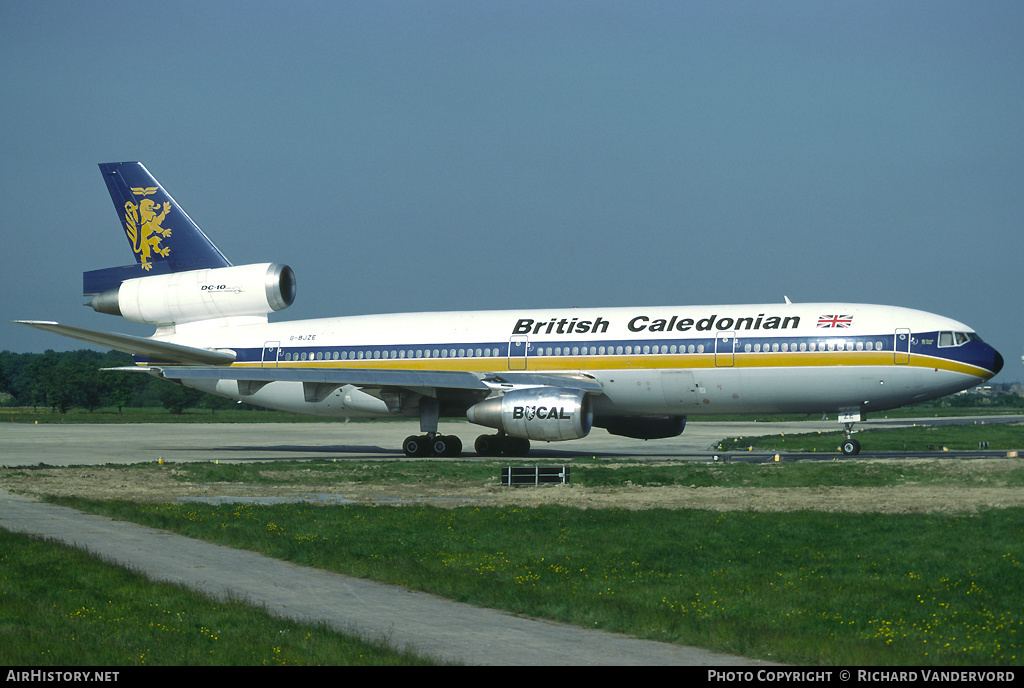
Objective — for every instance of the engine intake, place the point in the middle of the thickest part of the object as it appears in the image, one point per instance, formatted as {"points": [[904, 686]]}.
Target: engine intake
{"points": [[182, 297], [542, 413]]}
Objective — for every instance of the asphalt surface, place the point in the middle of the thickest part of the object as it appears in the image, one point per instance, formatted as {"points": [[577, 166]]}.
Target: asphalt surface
{"points": [[65, 445]]}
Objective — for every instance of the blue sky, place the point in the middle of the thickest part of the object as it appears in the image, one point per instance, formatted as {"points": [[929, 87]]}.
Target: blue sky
{"points": [[408, 156]]}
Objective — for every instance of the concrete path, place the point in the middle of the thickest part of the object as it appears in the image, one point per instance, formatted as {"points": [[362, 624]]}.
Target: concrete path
{"points": [[429, 625]]}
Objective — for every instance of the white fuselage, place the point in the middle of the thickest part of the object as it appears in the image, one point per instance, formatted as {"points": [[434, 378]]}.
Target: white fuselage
{"points": [[655, 361]]}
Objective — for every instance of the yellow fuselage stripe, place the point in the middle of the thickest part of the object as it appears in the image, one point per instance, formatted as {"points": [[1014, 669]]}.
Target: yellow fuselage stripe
{"points": [[641, 362]]}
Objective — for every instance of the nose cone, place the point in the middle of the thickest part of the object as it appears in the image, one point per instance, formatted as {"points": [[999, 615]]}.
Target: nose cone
{"points": [[984, 356], [997, 362]]}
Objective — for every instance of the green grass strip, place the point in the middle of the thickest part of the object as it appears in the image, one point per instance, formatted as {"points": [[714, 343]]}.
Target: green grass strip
{"points": [[995, 436], [62, 607], [804, 588]]}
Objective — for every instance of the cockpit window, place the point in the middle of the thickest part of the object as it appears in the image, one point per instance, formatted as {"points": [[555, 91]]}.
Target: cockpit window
{"points": [[955, 338]]}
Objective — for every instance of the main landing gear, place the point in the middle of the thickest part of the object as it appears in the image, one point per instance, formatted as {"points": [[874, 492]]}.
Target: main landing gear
{"points": [[431, 443], [416, 446], [436, 445]]}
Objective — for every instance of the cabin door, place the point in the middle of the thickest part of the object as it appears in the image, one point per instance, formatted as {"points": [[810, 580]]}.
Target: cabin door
{"points": [[518, 351], [725, 349], [902, 349], [271, 354]]}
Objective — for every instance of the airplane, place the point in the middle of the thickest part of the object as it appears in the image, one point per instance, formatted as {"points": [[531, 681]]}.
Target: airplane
{"points": [[534, 374]]}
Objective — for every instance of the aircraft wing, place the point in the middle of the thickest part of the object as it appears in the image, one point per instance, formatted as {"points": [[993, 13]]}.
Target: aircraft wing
{"points": [[153, 349], [460, 387], [333, 376], [320, 380]]}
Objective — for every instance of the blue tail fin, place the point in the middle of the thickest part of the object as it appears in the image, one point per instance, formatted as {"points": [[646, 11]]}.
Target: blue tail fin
{"points": [[163, 238]]}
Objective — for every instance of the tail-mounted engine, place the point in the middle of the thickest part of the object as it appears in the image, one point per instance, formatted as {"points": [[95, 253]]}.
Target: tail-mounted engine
{"points": [[542, 413], [182, 297]]}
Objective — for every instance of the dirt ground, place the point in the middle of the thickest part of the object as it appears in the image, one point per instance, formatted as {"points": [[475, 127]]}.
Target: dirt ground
{"points": [[987, 489]]}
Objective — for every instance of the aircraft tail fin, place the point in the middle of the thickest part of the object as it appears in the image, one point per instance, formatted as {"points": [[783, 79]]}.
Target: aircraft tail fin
{"points": [[162, 236]]}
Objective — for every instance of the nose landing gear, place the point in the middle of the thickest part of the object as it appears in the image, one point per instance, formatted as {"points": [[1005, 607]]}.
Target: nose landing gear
{"points": [[850, 446]]}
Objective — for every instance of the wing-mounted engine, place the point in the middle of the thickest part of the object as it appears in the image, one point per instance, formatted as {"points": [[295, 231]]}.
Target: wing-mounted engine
{"points": [[194, 295], [539, 413]]}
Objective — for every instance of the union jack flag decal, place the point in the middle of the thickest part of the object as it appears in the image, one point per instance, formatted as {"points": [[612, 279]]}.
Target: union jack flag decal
{"points": [[835, 320]]}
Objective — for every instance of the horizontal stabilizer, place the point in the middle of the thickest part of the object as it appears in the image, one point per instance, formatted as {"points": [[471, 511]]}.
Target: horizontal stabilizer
{"points": [[156, 351]]}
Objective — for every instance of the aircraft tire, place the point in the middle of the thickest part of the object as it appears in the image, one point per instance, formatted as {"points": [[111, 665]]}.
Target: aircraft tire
{"points": [[850, 447], [446, 445], [415, 445], [487, 445]]}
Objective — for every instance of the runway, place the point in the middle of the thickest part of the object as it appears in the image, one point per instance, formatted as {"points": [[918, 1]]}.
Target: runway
{"points": [[65, 445]]}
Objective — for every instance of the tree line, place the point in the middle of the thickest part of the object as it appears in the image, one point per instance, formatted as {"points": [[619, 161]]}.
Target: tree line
{"points": [[62, 380]]}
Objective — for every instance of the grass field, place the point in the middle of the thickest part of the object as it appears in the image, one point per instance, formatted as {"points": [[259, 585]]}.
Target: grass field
{"points": [[61, 607], [587, 473], [915, 439], [803, 587]]}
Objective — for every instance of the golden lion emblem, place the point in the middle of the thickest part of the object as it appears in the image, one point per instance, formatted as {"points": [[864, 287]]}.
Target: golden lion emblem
{"points": [[142, 223]]}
